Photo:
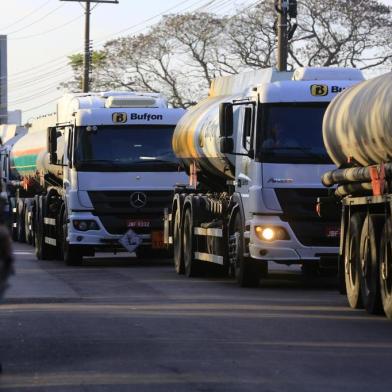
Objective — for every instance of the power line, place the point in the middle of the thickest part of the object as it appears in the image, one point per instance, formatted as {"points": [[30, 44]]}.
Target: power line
{"points": [[58, 59], [47, 31], [40, 106], [27, 16], [208, 5], [36, 21]]}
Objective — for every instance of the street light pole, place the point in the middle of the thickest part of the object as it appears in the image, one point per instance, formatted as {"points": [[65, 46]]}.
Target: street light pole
{"points": [[87, 50]]}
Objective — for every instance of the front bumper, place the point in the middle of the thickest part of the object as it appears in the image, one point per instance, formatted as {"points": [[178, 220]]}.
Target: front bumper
{"points": [[290, 251], [98, 238]]}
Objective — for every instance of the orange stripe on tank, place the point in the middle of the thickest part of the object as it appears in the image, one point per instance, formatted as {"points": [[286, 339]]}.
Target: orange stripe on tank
{"points": [[28, 151]]}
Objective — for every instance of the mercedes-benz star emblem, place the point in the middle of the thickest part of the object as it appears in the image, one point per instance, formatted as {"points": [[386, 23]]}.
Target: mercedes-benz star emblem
{"points": [[138, 199]]}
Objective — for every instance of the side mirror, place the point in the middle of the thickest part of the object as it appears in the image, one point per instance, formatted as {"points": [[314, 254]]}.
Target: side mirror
{"points": [[52, 145], [226, 145], [226, 119]]}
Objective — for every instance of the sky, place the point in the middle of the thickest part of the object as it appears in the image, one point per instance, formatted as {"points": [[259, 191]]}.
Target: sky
{"points": [[42, 33]]}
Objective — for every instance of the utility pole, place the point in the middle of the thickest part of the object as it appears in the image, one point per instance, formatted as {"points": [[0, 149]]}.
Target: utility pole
{"points": [[287, 10], [3, 80], [87, 51]]}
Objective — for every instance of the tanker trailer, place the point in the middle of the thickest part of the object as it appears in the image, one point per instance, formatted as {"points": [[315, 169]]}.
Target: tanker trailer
{"points": [[97, 175], [357, 131], [9, 134], [27, 169], [254, 154]]}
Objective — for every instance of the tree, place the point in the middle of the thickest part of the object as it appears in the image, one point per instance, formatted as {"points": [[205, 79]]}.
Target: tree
{"points": [[251, 36], [97, 65], [348, 33], [181, 54]]}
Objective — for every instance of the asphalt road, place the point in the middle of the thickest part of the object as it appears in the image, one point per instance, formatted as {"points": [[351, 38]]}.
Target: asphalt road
{"points": [[122, 325]]}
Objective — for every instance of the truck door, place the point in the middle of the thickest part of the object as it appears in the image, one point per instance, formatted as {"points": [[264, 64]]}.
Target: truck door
{"points": [[244, 145]]}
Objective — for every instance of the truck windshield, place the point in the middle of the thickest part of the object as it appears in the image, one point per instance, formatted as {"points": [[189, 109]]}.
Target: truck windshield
{"points": [[292, 133], [122, 148]]}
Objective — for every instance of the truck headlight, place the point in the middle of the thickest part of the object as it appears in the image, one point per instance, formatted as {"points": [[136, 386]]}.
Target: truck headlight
{"points": [[271, 233], [84, 225]]}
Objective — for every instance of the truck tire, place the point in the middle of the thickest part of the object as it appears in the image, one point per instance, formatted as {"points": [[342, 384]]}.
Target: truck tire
{"points": [[192, 267], [43, 251], [20, 221], [72, 254], [177, 243], [13, 216], [385, 268], [352, 263], [369, 256], [27, 222], [247, 272]]}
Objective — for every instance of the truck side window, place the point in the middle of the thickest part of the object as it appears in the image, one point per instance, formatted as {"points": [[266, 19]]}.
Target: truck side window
{"points": [[247, 128], [60, 146]]}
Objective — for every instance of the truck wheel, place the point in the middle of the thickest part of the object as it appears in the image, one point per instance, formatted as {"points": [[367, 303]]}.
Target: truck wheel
{"points": [[352, 262], [369, 256], [27, 221], [43, 251], [191, 266], [385, 269], [177, 244], [20, 220], [72, 254], [247, 272], [13, 217]]}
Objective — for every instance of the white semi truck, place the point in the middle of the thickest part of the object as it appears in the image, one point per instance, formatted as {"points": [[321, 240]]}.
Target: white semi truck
{"points": [[254, 153], [357, 132], [96, 174]]}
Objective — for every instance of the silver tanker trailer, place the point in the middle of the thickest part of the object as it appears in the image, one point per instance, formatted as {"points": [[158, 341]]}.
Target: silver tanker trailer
{"points": [[357, 132], [254, 153]]}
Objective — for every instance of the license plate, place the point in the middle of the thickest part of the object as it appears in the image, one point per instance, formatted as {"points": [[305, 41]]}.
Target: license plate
{"points": [[332, 232], [138, 223], [157, 240]]}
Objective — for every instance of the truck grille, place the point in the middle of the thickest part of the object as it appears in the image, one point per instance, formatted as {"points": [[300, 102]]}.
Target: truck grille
{"points": [[115, 210], [299, 210]]}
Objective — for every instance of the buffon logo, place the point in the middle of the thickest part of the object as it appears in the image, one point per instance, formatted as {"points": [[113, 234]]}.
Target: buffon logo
{"points": [[145, 116], [320, 90], [119, 117]]}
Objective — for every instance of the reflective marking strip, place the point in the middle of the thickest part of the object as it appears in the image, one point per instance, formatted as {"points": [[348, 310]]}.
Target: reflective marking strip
{"points": [[170, 240], [209, 257], [50, 221], [169, 217], [30, 227], [14, 225], [50, 241], [14, 209], [210, 232]]}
